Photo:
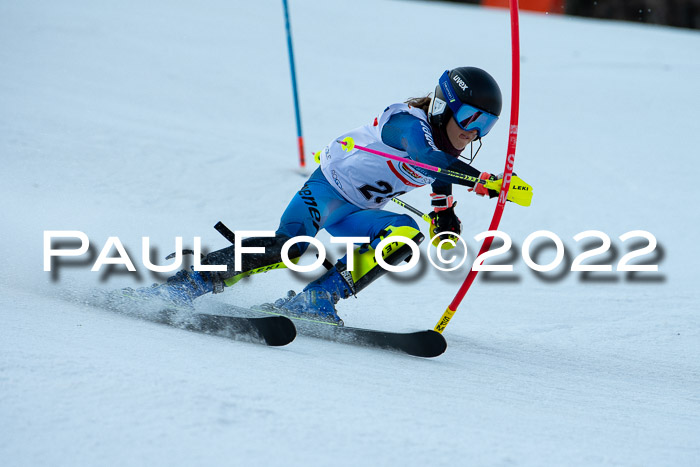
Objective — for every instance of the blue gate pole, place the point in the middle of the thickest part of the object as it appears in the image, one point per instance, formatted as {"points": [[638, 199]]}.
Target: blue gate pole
{"points": [[300, 138]]}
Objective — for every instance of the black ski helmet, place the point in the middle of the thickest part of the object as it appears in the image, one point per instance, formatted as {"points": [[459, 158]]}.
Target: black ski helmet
{"points": [[472, 86]]}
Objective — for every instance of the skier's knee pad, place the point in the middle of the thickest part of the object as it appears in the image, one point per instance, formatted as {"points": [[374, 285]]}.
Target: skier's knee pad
{"points": [[365, 267]]}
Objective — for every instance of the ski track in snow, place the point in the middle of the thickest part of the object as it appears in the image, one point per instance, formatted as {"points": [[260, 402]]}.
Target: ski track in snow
{"points": [[130, 120]]}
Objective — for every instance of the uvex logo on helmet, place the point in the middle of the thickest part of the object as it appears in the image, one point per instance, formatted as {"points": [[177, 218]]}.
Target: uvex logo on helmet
{"points": [[460, 82]]}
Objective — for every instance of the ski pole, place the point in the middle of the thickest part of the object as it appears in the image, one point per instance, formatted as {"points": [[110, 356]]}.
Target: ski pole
{"points": [[520, 192], [349, 144], [415, 211]]}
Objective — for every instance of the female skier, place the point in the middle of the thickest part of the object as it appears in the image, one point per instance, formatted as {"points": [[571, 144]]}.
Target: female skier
{"points": [[347, 193]]}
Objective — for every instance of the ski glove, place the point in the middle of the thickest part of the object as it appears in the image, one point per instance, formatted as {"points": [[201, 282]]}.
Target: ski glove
{"points": [[444, 219], [481, 190]]}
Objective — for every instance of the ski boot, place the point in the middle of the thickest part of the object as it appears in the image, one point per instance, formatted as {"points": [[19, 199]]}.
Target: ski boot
{"points": [[318, 299], [179, 290]]}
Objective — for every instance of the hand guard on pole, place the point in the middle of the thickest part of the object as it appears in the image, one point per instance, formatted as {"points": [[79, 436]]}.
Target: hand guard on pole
{"points": [[444, 219]]}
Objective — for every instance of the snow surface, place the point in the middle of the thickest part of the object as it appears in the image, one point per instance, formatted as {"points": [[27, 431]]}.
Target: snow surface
{"points": [[132, 119]]}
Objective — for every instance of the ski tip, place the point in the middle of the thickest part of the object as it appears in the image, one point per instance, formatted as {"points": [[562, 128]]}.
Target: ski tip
{"points": [[279, 331], [428, 344]]}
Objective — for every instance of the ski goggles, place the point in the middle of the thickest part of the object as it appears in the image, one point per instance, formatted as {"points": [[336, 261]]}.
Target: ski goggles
{"points": [[467, 116]]}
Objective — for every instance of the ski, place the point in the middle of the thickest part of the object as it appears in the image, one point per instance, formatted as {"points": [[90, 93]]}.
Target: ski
{"points": [[270, 330], [426, 344]]}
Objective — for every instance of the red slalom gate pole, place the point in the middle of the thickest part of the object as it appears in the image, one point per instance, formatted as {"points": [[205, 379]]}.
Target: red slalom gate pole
{"points": [[507, 172]]}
